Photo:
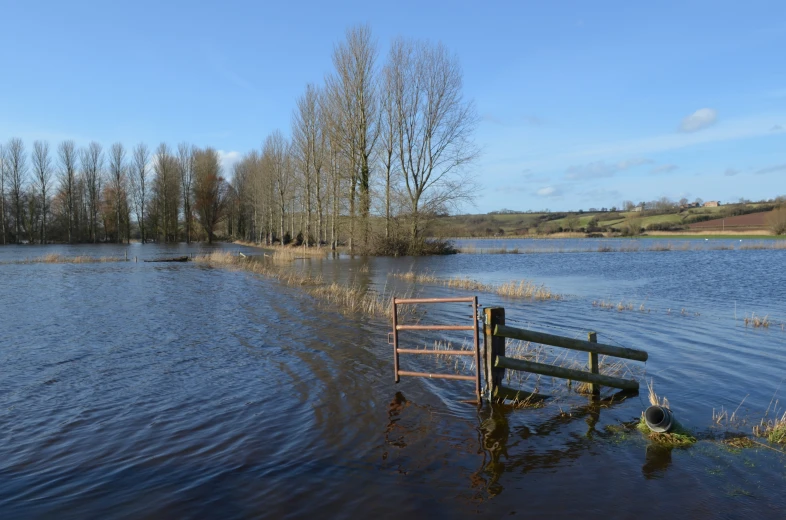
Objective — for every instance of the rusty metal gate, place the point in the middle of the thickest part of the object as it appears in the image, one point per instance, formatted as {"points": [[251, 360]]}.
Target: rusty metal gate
{"points": [[473, 327]]}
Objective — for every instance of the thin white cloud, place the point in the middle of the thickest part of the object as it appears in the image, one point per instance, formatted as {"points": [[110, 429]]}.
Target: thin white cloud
{"points": [[601, 169], [549, 191], [699, 120], [664, 168], [731, 172]]}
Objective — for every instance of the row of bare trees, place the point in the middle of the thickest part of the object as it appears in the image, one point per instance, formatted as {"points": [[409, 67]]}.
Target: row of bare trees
{"points": [[393, 142], [371, 156], [88, 194]]}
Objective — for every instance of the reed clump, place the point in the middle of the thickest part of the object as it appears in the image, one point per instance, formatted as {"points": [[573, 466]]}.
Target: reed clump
{"points": [[620, 306], [757, 321], [513, 289], [773, 430]]}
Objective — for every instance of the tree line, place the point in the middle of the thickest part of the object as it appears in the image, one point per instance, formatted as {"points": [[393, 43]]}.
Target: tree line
{"points": [[89, 194], [372, 155]]}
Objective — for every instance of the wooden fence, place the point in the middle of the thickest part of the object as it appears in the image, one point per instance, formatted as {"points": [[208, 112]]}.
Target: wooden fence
{"points": [[496, 362]]}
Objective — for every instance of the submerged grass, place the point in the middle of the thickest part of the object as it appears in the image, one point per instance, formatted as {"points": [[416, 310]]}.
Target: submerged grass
{"points": [[350, 299], [60, 259], [623, 305], [757, 321], [513, 289]]}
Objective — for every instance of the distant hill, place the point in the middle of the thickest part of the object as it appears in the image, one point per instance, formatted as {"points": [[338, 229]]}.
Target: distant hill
{"points": [[741, 217]]}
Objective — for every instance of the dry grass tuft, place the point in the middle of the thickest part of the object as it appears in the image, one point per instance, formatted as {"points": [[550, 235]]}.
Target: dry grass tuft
{"points": [[757, 321], [722, 417], [773, 430], [521, 289], [620, 306], [653, 397]]}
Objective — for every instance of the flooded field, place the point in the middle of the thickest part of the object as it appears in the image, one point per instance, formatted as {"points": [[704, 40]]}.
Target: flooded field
{"points": [[180, 390]]}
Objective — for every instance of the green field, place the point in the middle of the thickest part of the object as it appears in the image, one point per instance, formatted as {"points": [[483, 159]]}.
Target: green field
{"points": [[524, 224]]}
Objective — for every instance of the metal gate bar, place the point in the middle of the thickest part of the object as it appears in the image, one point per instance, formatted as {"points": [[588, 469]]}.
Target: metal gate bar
{"points": [[476, 337]]}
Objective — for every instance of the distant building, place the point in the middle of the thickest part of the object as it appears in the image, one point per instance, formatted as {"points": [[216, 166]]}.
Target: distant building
{"points": [[712, 204], [689, 205], [638, 208]]}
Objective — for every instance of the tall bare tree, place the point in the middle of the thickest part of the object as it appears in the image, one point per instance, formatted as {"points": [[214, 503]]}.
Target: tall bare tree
{"points": [[16, 169], [434, 127], [42, 165], [185, 163], [308, 149], [139, 186], [354, 90], [388, 131], [166, 193], [210, 190], [276, 150], [92, 166], [68, 158], [3, 168], [117, 176]]}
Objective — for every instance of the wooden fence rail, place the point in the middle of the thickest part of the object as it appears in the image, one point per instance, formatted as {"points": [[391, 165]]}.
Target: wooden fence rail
{"points": [[495, 331], [495, 361]]}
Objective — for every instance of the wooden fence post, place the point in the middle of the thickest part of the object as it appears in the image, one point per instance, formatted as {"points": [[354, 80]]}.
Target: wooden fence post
{"points": [[493, 346], [593, 363]]}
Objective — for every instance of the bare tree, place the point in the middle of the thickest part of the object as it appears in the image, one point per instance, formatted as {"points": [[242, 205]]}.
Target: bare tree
{"points": [[16, 169], [434, 127], [209, 190], [388, 137], [3, 168], [166, 193], [276, 150], [185, 163], [68, 157], [139, 186], [92, 164], [309, 149], [42, 164], [353, 88], [117, 175]]}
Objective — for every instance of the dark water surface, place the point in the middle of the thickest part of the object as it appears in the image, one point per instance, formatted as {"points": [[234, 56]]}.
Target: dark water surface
{"points": [[147, 390]]}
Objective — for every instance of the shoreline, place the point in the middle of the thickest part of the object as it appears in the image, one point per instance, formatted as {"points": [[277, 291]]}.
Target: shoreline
{"points": [[758, 234]]}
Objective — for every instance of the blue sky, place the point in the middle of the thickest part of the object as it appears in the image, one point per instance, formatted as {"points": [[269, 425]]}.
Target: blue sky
{"points": [[582, 104]]}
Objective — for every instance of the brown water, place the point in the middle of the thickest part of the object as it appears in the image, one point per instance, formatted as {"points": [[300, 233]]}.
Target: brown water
{"points": [[144, 390]]}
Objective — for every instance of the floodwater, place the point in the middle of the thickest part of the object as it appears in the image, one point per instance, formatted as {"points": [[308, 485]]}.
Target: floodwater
{"points": [[169, 390]]}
